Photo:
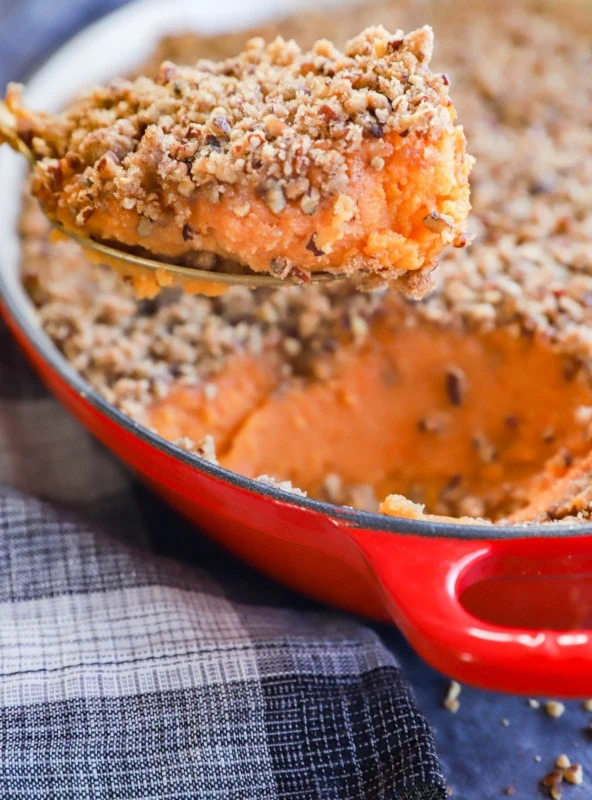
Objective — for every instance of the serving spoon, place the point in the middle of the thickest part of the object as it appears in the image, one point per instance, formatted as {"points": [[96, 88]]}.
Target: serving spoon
{"points": [[9, 136]]}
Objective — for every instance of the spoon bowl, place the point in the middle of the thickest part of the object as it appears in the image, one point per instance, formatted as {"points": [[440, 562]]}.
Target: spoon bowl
{"points": [[253, 280]]}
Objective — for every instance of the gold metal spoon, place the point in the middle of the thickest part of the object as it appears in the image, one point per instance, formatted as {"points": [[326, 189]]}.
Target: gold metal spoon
{"points": [[9, 135]]}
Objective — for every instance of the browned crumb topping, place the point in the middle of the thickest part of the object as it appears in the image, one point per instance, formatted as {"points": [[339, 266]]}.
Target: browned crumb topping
{"points": [[357, 495], [451, 702], [529, 269], [575, 502], [552, 781], [468, 509], [285, 485], [574, 774], [554, 709], [205, 449], [565, 772], [276, 118], [530, 266]]}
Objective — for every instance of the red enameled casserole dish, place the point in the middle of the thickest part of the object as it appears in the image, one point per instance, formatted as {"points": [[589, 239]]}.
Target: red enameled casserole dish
{"points": [[507, 608]]}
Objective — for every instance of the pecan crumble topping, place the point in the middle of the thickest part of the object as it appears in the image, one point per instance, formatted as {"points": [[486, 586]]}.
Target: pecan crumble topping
{"points": [[286, 160]]}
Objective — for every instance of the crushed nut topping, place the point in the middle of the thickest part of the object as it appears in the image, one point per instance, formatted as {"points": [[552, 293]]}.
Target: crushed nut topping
{"points": [[456, 385], [285, 485], [438, 222], [205, 449], [554, 708], [565, 771], [574, 774], [451, 702], [270, 117]]}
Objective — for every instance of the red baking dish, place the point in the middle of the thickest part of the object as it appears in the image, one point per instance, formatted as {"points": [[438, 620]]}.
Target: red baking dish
{"points": [[507, 608]]}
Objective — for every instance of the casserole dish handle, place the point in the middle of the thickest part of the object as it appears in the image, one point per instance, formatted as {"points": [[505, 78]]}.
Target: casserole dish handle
{"points": [[513, 615]]}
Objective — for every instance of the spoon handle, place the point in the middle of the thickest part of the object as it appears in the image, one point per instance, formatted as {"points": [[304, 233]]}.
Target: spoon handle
{"points": [[9, 133]]}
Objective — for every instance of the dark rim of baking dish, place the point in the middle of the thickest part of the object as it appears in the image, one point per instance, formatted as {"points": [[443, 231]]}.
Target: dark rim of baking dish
{"points": [[356, 519]]}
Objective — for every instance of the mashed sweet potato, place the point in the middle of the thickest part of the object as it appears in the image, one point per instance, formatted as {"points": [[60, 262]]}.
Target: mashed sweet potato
{"points": [[427, 413]]}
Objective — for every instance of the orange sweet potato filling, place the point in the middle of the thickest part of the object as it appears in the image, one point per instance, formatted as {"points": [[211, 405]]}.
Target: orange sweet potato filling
{"points": [[380, 215], [420, 412], [241, 389]]}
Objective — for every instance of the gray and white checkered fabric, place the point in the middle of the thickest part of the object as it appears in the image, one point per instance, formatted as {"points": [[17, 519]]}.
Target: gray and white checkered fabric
{"points": [[136, 659], [127, 674]]}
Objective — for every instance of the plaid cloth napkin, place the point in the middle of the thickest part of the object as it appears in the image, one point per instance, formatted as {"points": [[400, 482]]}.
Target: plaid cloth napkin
{"points": [[126, 673]]}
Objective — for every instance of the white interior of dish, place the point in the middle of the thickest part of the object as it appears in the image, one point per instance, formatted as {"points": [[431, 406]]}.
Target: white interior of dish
{"points": [[114, 45]]}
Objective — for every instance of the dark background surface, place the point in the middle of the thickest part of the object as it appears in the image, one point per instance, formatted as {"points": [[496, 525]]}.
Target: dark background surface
{"points": [[481, 753]]}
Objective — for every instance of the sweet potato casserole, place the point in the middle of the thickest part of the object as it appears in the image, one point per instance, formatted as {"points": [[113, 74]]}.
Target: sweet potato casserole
{"points": [[475, 401]]}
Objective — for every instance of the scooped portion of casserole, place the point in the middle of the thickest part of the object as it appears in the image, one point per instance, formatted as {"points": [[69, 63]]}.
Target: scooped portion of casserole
{"points": [[284, 160]]}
